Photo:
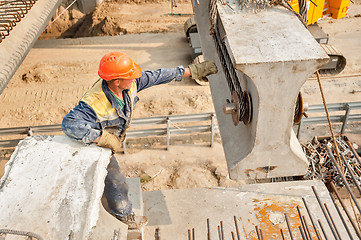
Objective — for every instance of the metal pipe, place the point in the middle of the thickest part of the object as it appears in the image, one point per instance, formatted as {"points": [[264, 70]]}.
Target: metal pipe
{"points": [[193, 234], [219, 233], [310, 216], [343, 178], [288, 226], [233, 237], [324, 213], [342, 218], [189, 235], [345, 209]]}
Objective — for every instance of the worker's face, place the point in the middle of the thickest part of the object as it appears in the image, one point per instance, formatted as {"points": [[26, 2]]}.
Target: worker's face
{"points": [[125, 83]]}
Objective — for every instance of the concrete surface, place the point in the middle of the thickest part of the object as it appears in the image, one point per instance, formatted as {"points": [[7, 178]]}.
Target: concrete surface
{"points": [[87, 6], [136, 197], [52, 186], [262, 205], [273, 54]]}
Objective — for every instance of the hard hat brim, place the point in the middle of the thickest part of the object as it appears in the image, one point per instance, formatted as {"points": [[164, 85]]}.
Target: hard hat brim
{"points": [[137, 72]]}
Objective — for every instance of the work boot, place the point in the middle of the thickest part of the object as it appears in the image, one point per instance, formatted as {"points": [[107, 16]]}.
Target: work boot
{"points": [[133, 221]]}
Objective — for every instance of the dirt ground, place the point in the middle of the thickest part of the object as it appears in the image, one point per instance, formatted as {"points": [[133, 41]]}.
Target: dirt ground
{"points": [[58, 70]]}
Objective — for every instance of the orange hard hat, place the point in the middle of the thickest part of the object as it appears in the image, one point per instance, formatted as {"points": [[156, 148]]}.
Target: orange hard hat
{"points": [[118, 65]]}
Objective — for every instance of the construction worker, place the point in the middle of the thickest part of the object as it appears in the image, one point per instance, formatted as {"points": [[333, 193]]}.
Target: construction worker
{"points": [[105, 111]]}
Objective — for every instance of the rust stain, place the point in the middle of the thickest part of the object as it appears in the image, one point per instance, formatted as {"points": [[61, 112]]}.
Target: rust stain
{"points": [[266, 168], [265, 209]]}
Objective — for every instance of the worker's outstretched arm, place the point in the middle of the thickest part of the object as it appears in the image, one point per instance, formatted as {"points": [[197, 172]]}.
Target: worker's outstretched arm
{"points": [[160, 76]]}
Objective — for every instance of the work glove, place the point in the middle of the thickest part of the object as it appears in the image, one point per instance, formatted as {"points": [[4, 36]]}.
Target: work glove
{"points": [[109, 140], [202, 70]]}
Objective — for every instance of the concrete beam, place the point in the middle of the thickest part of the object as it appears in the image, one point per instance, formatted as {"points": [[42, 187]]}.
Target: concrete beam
{"points": [[262, 205], [53, 186], [17, 45], [273, 54]]}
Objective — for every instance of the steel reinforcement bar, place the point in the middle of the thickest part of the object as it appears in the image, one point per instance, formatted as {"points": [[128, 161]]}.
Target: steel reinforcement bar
{"points": [[21, 23]]}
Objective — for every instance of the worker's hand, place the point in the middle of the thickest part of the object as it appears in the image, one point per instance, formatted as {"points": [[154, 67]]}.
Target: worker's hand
{"points": [[202, 70], [109, 140]]}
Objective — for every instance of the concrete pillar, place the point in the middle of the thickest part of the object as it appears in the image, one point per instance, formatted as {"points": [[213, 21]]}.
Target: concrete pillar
{"points": [[52, 186], [273, 55], [86, 6]]}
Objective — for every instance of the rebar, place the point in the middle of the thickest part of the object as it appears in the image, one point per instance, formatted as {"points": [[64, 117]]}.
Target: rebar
{"points": [[343, 179], [307, 229], [310, 216], [322, 229], [258, 233], [345, 209], [233, 237], [302, 233], [351, 173], [157, 234], [288, 226], [321, 167], [342, 218], [324, 213], [208, 230], [222, 231], [332, 221], [302, 223], [11, 12], [30, 235], [283, 236], [237, 230]]}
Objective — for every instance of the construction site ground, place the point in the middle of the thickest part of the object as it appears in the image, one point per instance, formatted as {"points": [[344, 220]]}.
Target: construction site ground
{"points": [[57, 71]]}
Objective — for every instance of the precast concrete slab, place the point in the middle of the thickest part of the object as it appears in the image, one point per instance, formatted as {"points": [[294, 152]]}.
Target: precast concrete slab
{"points": [[53, 186], [263, 206], [268, 55]]}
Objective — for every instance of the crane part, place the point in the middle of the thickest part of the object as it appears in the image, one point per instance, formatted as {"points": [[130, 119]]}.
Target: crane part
{"points": [[263, 57], [27, 20]]}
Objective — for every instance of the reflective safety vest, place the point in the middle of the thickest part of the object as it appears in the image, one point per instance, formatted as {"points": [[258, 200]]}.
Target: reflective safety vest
{"points": [[109, 115]]}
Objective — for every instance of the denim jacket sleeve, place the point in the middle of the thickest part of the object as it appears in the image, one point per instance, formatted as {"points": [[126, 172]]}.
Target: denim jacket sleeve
{"points": [[160, 76], [81, 124]]}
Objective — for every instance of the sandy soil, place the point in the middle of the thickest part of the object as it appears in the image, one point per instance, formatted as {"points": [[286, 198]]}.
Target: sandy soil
{"points": [[57, 72]]}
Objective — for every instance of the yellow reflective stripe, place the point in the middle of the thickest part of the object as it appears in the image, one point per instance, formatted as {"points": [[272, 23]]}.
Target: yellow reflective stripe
{"points": [[108, 117], [96, 99], [133, 90]]}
